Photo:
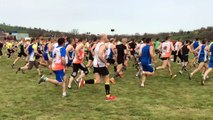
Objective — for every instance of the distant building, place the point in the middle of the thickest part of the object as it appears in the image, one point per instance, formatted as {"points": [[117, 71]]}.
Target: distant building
{"points": [[19, 36], [2, 35]]}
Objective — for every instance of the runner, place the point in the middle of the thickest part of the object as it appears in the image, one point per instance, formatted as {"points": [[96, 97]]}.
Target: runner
{"points": [[132, 45], [202, 58], [177, 52], [10, 50], [32, 52], [47, 51], [185, 49], [58, 66], [101, 68], [78, 62], [167, 48], [147, 58], [91, 51], [22, 52], [121, 52], [195, 45], [205, 76], [156, 46]]}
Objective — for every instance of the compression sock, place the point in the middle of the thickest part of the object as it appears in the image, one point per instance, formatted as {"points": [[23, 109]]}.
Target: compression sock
{"points": [[107, 89], [115, 68]]}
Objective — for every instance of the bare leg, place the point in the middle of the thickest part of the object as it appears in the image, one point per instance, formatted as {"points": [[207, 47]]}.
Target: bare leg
{"points": [[163, 66], [16, 60], [97, 78], [70, 81], [206, 73], [201, 65], [169, 67]]}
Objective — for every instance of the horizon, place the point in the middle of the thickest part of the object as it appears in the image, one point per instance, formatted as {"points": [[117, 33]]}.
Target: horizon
{"points": [[100, 33], [126, 17]]}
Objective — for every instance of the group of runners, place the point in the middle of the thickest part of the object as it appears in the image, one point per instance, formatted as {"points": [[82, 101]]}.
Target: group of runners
{"points": [[60, 54]]}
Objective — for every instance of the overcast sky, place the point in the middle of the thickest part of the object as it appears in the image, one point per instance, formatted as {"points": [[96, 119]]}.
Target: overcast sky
{"points": [[99, 16]]}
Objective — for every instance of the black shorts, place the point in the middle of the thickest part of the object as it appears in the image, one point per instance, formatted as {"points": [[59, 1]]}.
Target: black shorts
{"points": [[132, 52], [111, 61], [33, 63], [165, 58], [185, 58], [103, 71], [76, 67], [22, 54], [120, 61], [91, 56], [10, 51]]}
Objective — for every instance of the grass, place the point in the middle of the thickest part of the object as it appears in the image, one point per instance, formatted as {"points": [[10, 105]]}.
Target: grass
{"points": [[161, 99]]}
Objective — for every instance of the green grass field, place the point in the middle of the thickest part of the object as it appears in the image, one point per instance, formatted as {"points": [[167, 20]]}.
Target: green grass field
{"points": [[162, 98]]}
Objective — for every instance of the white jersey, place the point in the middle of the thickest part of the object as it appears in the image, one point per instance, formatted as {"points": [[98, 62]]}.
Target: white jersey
{"points": [[177, 46], [97, 62], [141, 47], [56, 61], [166, 49], [55, 45]]}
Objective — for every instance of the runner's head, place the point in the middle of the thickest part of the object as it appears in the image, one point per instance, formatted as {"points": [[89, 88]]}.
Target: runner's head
{"points": [[70, 40], [148, 40], [61, 41], [167, 38], [96, 39], [83, 40], [203, 42], [33, 40], [124, 40], [104, 38], [187, 42]]}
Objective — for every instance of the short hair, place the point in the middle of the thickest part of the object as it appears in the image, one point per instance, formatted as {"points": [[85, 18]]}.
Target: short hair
{"points": [[203, 42], [148, 40], [196, 39], [167, 37], [61, 41], [32, 40], [69, 40], [187, 41], [143, 39], [82, 39]]}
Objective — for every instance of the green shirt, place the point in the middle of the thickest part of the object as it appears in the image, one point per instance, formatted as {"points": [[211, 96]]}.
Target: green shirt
{"points": [[157, 44]]}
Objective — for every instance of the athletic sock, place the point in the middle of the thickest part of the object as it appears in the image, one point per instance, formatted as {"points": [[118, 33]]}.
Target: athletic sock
{"points": [[115, 68], [90, 81], [107, 88]]}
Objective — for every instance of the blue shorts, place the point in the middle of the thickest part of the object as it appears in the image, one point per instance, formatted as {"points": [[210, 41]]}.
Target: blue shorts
{"points": [[147, 68], [211, 64], [59, 75], [46, 56]]}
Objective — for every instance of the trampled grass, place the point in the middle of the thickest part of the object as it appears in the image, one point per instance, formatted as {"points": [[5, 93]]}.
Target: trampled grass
{"points": [[161, 99]]}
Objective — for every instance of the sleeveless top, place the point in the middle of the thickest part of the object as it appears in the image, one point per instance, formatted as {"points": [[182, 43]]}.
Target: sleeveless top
{"points": [[76, 59], [166, 49], [57, 64], [97, 62]]}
